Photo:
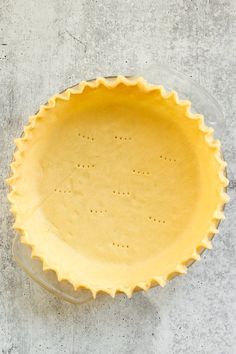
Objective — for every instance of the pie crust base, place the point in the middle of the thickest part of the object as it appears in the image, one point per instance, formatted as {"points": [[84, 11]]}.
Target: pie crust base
{"points": [[117, 186]]}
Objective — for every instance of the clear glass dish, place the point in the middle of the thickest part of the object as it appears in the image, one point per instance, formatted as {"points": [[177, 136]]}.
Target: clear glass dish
{"points": [[202, 102]]}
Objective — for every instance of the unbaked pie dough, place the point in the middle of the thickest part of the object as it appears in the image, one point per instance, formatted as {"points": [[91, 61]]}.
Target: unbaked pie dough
{"points": [[117, 186]]}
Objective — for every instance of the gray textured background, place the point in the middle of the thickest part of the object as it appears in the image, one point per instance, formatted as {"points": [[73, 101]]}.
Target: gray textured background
{"points": [[46, 46]]}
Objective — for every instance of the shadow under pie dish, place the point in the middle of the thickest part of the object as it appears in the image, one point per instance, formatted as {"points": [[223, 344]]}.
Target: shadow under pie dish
{"points": [[117, 186]]}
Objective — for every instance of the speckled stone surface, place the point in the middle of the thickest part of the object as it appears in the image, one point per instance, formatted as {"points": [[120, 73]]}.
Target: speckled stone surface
{"points": [[46, 46]]}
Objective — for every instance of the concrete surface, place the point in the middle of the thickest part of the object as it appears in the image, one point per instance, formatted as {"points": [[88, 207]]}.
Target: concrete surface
{"points": [[46, 46]]}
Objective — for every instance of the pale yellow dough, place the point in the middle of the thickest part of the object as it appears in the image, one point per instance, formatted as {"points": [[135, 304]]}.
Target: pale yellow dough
{"points": [[116, 186]]}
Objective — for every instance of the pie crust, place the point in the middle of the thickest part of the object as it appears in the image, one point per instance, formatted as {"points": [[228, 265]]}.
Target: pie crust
{"points": [[117, 186]]}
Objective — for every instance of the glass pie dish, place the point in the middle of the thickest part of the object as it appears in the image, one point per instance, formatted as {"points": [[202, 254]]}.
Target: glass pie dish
{"points": [[201, 102]]}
